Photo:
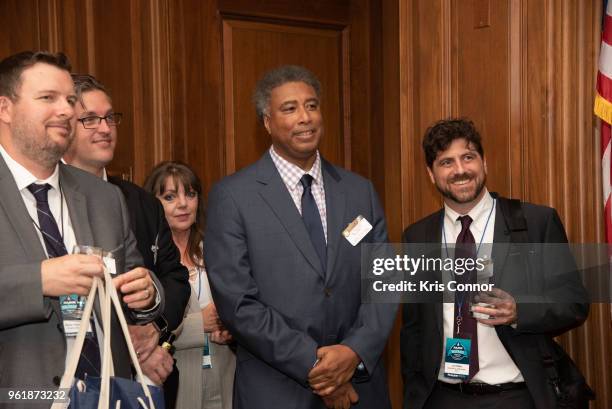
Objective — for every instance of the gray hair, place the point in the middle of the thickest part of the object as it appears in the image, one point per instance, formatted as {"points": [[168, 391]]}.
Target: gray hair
{"points": [[276, 78]]}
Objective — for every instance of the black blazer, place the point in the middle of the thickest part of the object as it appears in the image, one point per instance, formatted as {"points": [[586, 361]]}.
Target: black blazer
{"points": [[421, 339], [153, 235]]}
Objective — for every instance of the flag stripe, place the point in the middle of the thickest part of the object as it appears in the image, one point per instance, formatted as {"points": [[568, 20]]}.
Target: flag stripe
{"points": [[603, 108], [608, 218], [607, 33], [605, 60], [605, 160], [606, 172], [604, 86]]}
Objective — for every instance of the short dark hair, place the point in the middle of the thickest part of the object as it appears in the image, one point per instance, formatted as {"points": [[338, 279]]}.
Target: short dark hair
{"points": [[13, 66], [84, 83], [276, 78], [440, 135]]}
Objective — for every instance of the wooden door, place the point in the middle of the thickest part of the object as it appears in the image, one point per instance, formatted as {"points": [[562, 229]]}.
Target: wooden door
{"points": [[183, 71], [221, 49]]}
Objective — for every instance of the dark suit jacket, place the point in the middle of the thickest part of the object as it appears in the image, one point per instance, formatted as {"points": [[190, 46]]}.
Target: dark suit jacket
{"points": [[32, 344], [422, 334], [270, 292], [153, 235]]}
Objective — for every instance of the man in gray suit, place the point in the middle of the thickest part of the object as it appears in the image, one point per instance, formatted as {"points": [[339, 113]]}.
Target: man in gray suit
{"points": [[285, 281], [36, 122]]}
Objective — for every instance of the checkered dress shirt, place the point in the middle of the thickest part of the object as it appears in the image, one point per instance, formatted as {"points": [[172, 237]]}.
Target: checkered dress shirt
{"points": [[291, 175]]}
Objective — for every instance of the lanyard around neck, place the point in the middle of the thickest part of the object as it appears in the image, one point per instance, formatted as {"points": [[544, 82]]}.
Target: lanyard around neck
{"points": [[483, 231]]}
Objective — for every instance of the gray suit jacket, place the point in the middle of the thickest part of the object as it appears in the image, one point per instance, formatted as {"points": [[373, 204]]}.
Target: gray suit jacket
{"points": [[270, 292], [32, 344]]}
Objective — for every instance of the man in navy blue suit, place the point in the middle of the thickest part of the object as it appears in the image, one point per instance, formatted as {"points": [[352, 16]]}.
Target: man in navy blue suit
{"points": [[286, 282]]}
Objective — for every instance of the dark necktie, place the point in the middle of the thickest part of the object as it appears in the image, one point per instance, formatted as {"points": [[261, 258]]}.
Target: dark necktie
{"points": [[312, 220], [466, 248], [54, 243]]}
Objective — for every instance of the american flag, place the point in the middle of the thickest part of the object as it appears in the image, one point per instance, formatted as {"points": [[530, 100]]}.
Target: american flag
{"points": [[603, 109]]}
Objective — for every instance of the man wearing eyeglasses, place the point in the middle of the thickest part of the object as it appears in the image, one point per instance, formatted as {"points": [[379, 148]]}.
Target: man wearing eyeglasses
{"points": [[92, 150], [46, 209]]}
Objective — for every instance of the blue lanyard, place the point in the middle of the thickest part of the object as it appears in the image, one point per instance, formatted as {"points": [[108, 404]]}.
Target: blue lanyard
{"points": [[199, 283]]}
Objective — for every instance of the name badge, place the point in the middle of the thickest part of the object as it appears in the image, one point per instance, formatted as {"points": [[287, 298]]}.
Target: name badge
{"points": [[72, 307], [457, 358], [356, 230], [206, 358], [109, 262]]}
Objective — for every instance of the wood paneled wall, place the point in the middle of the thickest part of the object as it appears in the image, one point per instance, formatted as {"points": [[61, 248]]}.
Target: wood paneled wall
{"points": [[182, 71], [524, 71]]}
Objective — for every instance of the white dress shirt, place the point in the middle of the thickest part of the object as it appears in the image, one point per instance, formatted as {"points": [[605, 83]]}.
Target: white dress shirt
{"points": [[495, 364]]}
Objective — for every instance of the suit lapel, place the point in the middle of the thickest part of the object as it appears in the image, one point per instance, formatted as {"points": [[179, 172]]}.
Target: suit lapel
{"points": [[18, 215], [335, 204], [79, 218], [434, 235], [275, 194], [501, 236], [77, 208]]}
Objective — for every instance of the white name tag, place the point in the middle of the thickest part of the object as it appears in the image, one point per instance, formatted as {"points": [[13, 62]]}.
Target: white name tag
{"points": [[71, 328], [356, 230], [109, 262]]}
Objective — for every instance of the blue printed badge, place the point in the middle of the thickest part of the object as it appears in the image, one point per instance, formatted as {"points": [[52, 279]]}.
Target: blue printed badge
{"points": [[72, 307], [457, 358], [206, 358]]}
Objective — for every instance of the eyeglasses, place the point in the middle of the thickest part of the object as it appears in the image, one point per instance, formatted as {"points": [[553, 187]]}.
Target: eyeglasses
{"points": [[92, 122]]}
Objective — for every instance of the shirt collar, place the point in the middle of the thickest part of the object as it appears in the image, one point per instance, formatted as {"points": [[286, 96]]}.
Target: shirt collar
{"points": [[294, 173], [104, 174], [23, 177], [478, 212]]}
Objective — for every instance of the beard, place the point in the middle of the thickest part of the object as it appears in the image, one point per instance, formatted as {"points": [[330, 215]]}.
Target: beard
{"points": [[39, 148], [467, 196]]}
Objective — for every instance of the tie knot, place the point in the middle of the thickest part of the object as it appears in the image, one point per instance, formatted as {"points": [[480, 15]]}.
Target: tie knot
{"points": [[466, 221], [39, 191], [306, 181]]}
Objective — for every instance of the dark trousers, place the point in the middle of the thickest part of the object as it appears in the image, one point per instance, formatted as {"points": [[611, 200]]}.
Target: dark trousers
{"points": [[444, 398], [171, 388]]}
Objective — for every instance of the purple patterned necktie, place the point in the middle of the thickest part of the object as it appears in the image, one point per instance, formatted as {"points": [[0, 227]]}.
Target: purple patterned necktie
{"points": [[466, 248], [89, 363]]}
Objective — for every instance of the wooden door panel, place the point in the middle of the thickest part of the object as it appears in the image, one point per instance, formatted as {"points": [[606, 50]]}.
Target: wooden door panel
{"points": [[250, 49]]}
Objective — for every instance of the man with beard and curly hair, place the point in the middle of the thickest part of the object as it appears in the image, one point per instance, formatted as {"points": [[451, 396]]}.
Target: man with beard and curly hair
{"points": [[501, 364]]}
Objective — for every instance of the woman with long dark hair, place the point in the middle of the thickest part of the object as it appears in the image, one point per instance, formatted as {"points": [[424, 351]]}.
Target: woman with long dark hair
{"points": [[205, 362]]}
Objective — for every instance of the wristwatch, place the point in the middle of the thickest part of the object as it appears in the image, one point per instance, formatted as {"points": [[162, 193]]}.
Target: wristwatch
{"points": [[161, 325], [167, 344]]}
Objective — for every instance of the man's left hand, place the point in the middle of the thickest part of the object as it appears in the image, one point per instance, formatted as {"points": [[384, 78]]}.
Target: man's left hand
{"points": [[342, 398], [137, 288], [158, 366], [145, 339], [502, 310], [221, 337], [335, 367]]}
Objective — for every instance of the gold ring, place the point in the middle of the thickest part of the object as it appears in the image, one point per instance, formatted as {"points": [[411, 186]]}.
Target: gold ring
{"points": [[167, 346]]}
